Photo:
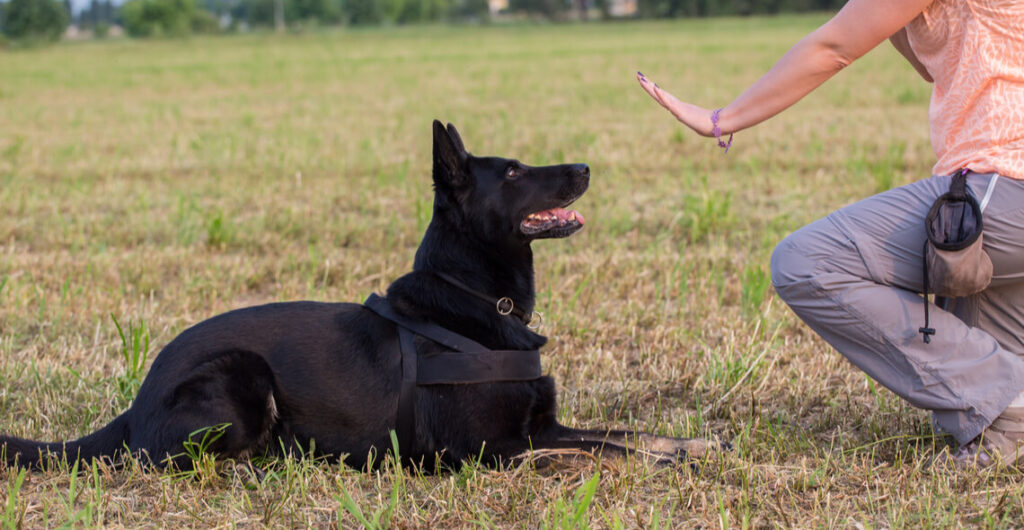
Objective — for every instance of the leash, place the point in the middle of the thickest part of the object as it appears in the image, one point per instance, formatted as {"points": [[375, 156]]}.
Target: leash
{"points": [[468, 363], [504, 305]]}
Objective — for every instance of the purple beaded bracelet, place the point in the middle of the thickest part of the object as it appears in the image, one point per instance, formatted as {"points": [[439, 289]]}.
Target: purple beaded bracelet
{"points": [[718, 131]]}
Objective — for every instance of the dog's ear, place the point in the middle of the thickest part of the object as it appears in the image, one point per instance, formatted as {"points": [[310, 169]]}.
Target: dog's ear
{"points": [[453, 133], [449, 156]]}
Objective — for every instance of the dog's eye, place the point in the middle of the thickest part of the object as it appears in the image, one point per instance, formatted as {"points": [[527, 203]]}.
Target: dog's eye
{"points": [[511, 173]]}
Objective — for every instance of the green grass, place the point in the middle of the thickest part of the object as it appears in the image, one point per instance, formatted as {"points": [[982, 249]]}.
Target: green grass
{"points": [[165, 182]]}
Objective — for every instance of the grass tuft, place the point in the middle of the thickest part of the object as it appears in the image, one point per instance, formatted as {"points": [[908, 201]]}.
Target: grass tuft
{"points": [[134, 352]]}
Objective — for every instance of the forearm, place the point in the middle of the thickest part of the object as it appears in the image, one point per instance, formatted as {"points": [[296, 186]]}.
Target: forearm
{"points": [[858, 27], [807, 65]]}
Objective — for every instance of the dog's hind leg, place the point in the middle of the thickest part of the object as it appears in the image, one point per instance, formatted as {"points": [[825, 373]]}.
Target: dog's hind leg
{"points": [[225, 406]]}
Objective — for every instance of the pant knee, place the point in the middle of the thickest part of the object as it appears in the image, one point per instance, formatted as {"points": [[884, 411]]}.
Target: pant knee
{"points": [[790, 262]]}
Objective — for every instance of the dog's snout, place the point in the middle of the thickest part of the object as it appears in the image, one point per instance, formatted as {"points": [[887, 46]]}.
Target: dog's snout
{"points": [[582, 170]]}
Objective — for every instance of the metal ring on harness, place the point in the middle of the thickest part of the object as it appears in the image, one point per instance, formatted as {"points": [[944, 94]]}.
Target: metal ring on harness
{"points": [[536, 320], [504, 305]]}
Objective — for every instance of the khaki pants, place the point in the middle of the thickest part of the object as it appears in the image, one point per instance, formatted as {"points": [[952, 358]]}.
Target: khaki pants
{"points": [[855, 276]]}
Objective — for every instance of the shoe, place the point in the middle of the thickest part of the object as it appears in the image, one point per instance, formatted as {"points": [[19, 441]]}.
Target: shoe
{"points": [[1003, 441]]}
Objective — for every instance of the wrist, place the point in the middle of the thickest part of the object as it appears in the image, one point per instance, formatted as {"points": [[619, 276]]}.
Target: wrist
{"points": [[716, 129], [697, 119]]}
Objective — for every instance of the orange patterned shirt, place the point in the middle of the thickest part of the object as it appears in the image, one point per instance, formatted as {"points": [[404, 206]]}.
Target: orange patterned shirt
{"points": [[974, 49]]}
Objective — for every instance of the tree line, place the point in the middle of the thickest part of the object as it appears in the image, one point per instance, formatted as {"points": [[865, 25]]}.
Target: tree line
{"points": [[47, 20]]}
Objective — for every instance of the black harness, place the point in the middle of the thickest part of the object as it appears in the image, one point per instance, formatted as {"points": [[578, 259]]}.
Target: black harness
{"points": [[467, 362]]}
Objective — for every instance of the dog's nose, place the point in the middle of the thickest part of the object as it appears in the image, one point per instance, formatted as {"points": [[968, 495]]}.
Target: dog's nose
{"points": [[582, 170]]}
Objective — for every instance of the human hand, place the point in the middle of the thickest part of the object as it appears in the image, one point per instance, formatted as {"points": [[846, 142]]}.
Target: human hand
{"points": [[694, 117]]}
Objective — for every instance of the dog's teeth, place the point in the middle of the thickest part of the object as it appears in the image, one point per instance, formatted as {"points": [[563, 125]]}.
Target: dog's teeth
{"points": [[572, 215]]}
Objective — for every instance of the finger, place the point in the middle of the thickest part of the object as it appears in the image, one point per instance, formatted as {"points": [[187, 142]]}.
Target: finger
{"points": [[651, 88], [644, 82], [660, 95], [666, 98], [655, 91]]}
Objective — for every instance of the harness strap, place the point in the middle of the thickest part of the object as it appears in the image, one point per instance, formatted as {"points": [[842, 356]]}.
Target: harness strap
{"points": [[405, 426], [457, 368], [470, 363], [436, 333]]}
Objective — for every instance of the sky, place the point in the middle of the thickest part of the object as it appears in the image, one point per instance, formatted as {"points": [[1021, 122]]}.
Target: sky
{"points": [[78, 5]]}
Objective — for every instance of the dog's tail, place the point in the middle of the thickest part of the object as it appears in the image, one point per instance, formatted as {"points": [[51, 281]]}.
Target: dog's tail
{"points": [[106, 442]]}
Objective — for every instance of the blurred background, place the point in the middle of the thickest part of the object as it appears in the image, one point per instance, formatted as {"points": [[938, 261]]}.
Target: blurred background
{"points": [[50, 20]]}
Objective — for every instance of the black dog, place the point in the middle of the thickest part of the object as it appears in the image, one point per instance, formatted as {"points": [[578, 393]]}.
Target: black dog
{"points": [[337, 377]]}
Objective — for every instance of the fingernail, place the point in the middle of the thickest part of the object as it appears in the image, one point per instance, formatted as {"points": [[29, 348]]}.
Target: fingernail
{"points": [[641, 74]]}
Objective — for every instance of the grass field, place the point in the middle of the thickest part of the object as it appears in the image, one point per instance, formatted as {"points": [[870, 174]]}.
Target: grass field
{"points": [[160, 183]]}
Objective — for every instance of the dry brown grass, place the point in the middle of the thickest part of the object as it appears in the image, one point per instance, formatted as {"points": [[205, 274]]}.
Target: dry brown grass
{"points": [[166, 182]]}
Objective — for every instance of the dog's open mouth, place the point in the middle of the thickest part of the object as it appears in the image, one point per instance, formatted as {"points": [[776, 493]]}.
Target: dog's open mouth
{"points": [[556, 222]]}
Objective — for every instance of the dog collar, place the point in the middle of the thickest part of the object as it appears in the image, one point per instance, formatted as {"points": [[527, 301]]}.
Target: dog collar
{"points": [[504, 305]]}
